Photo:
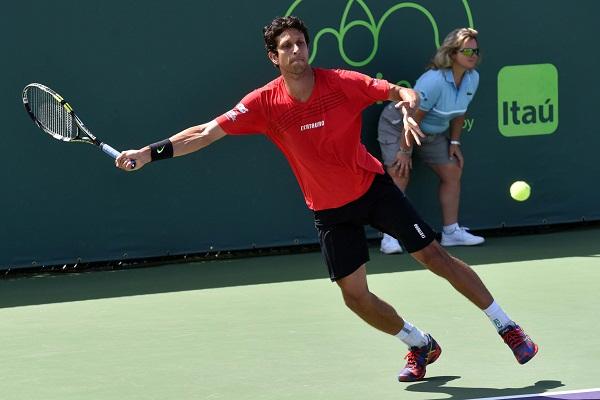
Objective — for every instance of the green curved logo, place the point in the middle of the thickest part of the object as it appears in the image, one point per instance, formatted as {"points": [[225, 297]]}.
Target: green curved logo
{"points": [[373, 26]]}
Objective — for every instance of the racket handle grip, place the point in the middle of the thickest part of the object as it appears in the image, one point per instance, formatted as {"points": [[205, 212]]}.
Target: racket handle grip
{"points": [[113, 153], [109, 150]]}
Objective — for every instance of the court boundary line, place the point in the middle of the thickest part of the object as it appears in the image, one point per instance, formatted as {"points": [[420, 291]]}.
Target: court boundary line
{"points": [[523, 396]]}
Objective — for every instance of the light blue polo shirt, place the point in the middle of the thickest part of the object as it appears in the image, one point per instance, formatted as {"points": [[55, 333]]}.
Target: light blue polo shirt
{"points": [[442, 100]]}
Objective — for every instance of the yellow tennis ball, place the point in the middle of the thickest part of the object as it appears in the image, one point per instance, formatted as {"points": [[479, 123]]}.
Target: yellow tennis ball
{"points": [[520, 190]]}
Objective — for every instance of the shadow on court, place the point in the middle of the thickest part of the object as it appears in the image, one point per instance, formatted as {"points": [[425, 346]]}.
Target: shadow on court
{"points": [[437, 385], [54, 288]]}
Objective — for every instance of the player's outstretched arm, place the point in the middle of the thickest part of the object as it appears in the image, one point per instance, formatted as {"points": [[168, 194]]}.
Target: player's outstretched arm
{"points": [[182, 143]]}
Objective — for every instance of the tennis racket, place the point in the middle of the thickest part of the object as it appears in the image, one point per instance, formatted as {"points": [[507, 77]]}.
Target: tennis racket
{"points": [[53, 115]]}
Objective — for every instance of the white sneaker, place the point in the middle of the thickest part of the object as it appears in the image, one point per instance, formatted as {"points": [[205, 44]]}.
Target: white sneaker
{"points": [[461, 237], [390, 245]]}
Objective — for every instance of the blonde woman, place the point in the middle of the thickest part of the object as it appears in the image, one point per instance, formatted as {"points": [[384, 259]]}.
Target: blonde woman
{"points": [[446, 90]]}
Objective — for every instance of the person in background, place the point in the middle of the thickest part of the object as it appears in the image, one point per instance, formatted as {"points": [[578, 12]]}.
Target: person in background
{"points": [[446, 89]]}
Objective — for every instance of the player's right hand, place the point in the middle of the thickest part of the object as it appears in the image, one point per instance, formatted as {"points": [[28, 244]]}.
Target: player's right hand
{"points": [[132, 160]]}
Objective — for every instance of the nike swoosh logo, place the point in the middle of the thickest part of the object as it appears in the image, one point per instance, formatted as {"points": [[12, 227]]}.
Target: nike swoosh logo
{"points": [[396, 121], [160, 150]]}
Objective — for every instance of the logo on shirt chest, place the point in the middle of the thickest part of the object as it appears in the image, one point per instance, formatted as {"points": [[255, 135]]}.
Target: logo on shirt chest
{"points": [[312, 125]]}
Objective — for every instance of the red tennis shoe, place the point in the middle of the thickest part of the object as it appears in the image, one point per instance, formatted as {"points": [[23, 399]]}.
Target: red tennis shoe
{"points": [[417, 360], [521, 345]]}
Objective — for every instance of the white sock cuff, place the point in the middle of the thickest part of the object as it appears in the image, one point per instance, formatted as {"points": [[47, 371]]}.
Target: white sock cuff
{"points": [[412, 336], [497, 316], [405, 331], [493, 308]]}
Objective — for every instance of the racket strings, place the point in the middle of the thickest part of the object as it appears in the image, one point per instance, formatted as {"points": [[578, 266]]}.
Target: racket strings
{"points": [[51, 114]]}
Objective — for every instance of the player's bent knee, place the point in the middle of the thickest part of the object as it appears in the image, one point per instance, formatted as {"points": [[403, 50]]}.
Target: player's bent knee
{"points": [[354, 288], [355, 299], [436, 259]]}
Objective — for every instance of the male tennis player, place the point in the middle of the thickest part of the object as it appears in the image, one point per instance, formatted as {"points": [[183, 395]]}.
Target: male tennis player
{"points": [[314, 117]]}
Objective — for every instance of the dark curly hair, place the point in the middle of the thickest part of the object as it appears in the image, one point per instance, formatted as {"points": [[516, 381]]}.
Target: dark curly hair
{"points": [[272, 31]]}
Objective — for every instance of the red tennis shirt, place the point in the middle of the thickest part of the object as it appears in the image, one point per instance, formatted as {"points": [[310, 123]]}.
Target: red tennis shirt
{"points": [[320, 137]]}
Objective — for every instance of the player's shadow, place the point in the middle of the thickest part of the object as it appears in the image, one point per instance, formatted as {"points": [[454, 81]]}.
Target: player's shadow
{"points": [[437, 384]]}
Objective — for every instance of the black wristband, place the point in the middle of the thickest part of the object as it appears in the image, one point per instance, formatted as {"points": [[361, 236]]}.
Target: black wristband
{"points": [[161, 150]]}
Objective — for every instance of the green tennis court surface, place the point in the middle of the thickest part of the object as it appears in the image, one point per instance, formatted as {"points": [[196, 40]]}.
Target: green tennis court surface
{"points": [[276, 328]]}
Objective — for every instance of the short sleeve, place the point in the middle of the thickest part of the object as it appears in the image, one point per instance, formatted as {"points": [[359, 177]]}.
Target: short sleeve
{"points": [[362, 87], [474, 81], [429, 89], [246, 117]]}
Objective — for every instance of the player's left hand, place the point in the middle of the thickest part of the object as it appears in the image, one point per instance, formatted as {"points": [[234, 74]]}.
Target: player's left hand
{"points": [[412, 132], [409, 99]]}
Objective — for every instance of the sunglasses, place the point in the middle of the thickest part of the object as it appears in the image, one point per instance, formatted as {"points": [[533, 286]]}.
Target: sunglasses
{"points": [[469, 52]]}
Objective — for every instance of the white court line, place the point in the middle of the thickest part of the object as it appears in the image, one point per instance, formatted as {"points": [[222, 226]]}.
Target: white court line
{"points": [[545, 394]]}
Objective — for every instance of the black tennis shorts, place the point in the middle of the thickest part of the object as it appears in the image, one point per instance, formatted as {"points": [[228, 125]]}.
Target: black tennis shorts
{"points": [[384, 207]]}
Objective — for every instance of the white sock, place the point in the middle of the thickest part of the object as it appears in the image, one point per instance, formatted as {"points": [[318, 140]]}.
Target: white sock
{"points": [[498, 317], [412, 336], [448, 229]]}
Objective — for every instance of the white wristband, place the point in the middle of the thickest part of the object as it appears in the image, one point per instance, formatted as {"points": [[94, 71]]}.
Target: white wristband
{"points": [[455, 142]]}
